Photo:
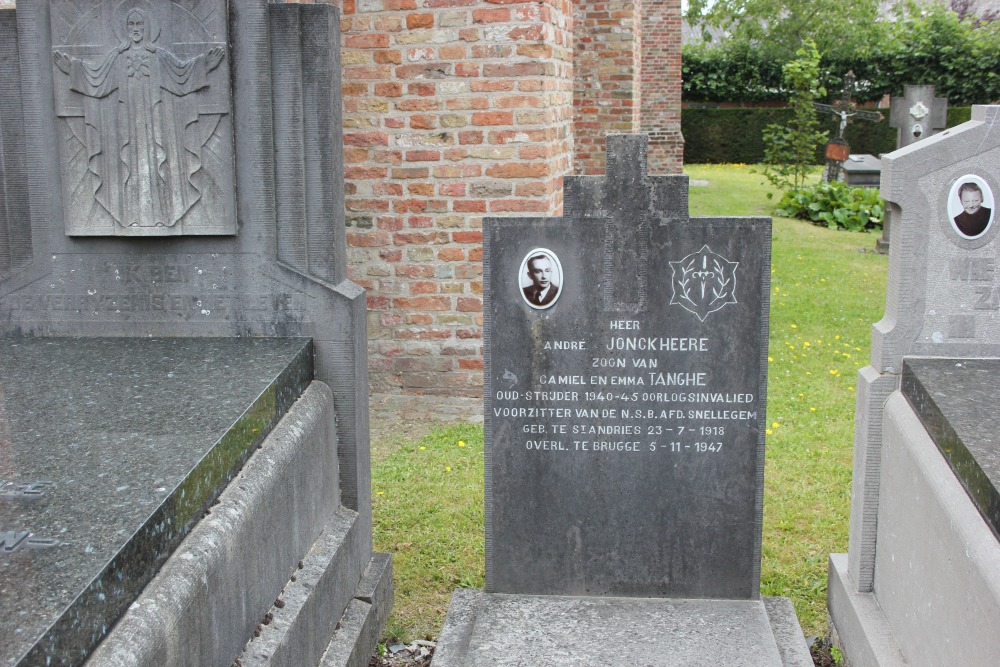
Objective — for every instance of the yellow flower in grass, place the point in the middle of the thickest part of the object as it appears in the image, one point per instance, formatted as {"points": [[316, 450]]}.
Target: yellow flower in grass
{"points": [[447, 468], [461, 443], [812, 409], [775, 425], [768, 431], [422, 448]]}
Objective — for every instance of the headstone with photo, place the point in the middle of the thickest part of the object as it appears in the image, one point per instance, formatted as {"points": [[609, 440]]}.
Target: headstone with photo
{"points": [[924, 549], [626, 384], [174, 315]]}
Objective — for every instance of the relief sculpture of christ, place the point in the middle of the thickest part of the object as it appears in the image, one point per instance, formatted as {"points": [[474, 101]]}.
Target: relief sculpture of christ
{"points": [[145, 146]]}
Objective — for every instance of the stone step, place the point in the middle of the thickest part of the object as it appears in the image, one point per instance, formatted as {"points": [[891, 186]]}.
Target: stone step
{"points": [[502, 630], [281, 512], [316, 618]]}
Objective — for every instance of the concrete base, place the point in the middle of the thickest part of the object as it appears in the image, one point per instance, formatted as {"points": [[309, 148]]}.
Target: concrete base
{"points": [[500, 630], [277, 533], [936, 596], [857, 624]]}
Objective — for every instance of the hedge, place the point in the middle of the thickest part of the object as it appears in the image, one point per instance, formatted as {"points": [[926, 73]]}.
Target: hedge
{"points": [[733, 135]]}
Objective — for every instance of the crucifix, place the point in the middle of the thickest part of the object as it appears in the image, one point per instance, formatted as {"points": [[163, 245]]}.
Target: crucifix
{"points": [[838, 149]]}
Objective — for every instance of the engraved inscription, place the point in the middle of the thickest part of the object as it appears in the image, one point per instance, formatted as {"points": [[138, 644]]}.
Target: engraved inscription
{"points": [[23, 491], [12, 541], [147, 146], [631, 400]]}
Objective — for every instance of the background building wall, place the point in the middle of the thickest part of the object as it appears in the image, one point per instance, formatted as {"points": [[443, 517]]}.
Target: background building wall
{"points": [[661, 85], [607, 56], [453, 110]]}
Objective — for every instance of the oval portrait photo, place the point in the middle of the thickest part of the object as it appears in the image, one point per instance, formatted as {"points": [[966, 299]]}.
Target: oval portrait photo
{"points": [[540, 278], [970, 206]]}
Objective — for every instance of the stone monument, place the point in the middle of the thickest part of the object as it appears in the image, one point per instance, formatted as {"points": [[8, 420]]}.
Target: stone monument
{"points": [[916, 115], [626, 383], [173, 299], [920, 584]]}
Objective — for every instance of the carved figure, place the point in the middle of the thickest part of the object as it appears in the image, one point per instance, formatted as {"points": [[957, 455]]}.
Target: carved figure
{"points": [[144, 141]]}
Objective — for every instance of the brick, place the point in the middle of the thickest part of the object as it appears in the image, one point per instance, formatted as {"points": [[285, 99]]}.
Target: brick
{"points": [[454, 52], [518, 170], [422, 238], [423, 122], [368, 239], [422, 303], [499, 15], [366, 139], [388, 57], [366, 41], [467, 237], [414, 21], [451, 255], [423, 89], [423, 287], [422, 156], [411, 172], [469, 206], [493, 118], [413, 271], [471, 364], [388, 89]]}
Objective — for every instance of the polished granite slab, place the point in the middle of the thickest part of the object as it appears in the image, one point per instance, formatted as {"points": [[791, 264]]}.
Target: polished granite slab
{"points": [[111, 449], [956, 399]]}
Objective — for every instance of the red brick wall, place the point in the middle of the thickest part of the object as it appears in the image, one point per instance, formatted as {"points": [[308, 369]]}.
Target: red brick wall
{"points": [[661, 85], [606, 92], [453, 110]]}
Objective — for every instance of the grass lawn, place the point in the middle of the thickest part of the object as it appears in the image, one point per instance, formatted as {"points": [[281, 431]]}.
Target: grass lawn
{"points": [[827, 288]]}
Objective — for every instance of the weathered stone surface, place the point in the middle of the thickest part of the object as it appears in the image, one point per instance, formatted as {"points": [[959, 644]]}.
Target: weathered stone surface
{"points": [[144, 117], [113, 449], [502, 630], [624, 425]]}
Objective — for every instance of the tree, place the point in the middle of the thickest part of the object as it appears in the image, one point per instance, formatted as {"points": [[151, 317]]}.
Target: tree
{"points": [[790, 150], [781, 26]]}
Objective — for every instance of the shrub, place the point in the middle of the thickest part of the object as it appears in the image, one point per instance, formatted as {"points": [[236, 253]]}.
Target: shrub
{"points": [[835, 205], [789, 149]]}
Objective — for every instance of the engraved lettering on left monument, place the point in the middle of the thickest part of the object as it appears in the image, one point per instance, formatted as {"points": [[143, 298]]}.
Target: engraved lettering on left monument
{"points": [[146, 143]]}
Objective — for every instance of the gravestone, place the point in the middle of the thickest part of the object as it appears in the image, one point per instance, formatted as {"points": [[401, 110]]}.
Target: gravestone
{"points": [[861, 170], [626, 382], [918, 114], [172, 179], [891, 598]]}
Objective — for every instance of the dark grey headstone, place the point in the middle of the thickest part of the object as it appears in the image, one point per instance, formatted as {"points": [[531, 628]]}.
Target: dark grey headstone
{"points": [[956, 401], [918, 114], [625, 413], [112, 449], [209, 285]]}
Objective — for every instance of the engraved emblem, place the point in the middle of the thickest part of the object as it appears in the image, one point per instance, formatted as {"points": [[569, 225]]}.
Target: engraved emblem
{"points": [[703, 282], [510, 377], [919, 110]]}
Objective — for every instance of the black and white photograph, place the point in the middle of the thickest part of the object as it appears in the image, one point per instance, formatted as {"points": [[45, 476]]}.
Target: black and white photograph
{"points": [[540, 278]]}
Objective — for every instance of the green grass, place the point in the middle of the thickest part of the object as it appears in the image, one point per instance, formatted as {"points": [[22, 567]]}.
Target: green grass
{"points": [[827, 289]]}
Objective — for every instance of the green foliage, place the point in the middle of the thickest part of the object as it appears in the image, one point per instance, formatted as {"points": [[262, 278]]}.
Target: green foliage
{"points": [[933, 47], [789, 149], [780, 27], [734, 134], [837, 655], [835, 205]]}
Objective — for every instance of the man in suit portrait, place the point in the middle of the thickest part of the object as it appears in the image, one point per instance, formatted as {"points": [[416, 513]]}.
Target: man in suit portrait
{"points": [[974, 218], [542, 291]]}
